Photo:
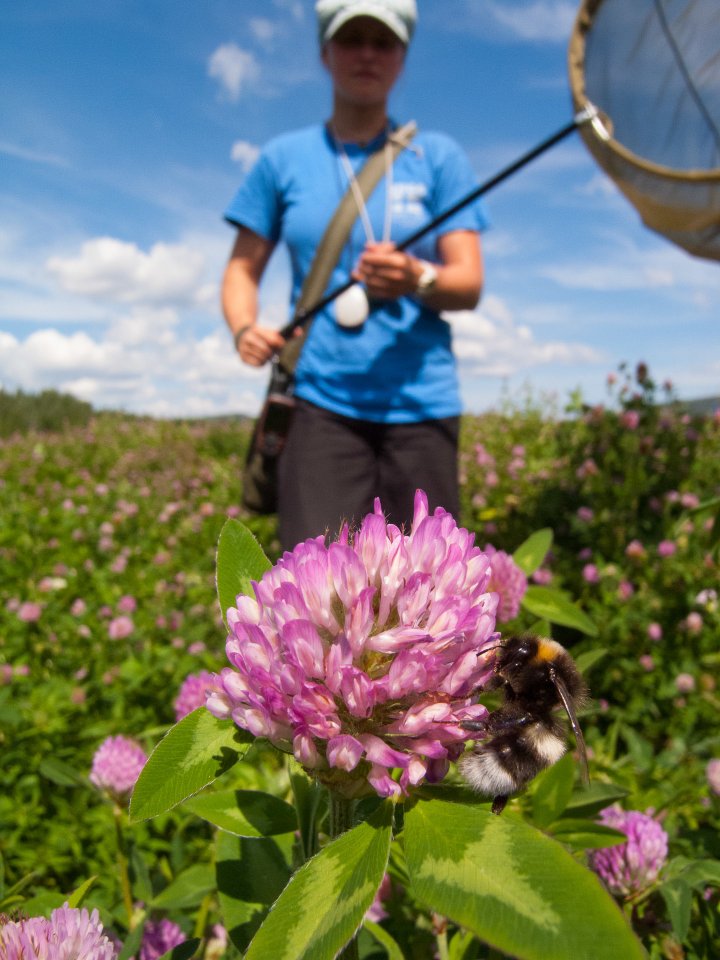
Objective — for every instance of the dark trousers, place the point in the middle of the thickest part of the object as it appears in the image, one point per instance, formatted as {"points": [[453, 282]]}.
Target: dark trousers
{"points": [[333, 467]]}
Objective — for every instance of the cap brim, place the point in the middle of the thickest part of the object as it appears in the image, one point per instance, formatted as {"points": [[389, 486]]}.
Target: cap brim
{"points": [[358, 10]]}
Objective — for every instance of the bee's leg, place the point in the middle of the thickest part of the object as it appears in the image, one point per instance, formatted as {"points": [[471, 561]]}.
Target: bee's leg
{"points": [[474, 725], [499, 804]]}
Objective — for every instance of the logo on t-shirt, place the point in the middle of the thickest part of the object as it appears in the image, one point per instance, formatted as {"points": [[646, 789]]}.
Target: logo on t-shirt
{"points": [[407, 200]]}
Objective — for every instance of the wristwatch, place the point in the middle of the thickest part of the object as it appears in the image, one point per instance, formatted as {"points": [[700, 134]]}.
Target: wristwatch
{"points": [[427, 280]]}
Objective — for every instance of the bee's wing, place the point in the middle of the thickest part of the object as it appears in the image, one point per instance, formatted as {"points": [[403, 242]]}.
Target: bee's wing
{"points": [[579, 739]]}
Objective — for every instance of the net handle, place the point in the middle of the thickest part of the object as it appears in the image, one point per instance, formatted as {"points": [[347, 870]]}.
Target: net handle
{"points": [[588, 115]]}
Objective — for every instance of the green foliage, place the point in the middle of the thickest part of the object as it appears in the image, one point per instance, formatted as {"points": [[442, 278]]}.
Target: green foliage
{"points": [[48, 411], [184, 951], [126, 515], [556, 606], [513, 887], [324, 903], [238, 550], [195, 752], [530, 554], [246, 813]]}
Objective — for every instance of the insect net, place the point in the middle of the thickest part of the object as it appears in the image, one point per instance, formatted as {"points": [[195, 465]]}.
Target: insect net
{"points": [[652, 70]]}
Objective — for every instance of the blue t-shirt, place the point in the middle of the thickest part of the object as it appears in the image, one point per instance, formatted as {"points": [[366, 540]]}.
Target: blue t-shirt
{"points": [[399, 366]]}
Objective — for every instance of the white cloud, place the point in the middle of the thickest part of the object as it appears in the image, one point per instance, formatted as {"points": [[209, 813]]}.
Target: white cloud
{"points": [[607, 276], [538, 20], [144, 363], [501, 243], [244, 153], [235, 69], [149, 361], [630, 267], [489, 343], [121, 272], [600, 185], [41, 304], [293, 7], [263, 29], [48, 356], [145, 326], [34, 156], [534, 21]]}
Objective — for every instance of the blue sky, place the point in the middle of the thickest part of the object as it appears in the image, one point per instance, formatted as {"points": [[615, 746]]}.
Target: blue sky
{"points": [[127, 126]]}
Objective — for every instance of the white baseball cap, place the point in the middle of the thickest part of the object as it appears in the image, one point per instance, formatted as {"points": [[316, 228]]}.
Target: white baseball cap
{"points": [[399, 16]]}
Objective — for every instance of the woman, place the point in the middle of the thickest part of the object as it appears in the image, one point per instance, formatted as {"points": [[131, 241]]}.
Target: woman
{"points": [[377, 406]]}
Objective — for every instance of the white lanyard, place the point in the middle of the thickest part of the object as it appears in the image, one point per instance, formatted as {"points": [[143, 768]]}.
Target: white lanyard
{"points": [[352, 307], [357, 192]]}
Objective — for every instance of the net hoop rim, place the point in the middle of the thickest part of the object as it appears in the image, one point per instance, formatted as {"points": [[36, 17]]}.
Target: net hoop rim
{"points": [[582, 104]]}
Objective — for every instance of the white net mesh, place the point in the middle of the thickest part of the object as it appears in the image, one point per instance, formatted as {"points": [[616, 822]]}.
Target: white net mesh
{"points": [[653, 68]]}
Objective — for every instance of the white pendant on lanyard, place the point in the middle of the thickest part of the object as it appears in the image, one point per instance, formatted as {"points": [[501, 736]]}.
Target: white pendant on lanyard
{"points": [[352, 307]]}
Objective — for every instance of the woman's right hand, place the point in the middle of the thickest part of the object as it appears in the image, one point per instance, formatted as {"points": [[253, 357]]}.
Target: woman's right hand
{"points": [[257, 344]]}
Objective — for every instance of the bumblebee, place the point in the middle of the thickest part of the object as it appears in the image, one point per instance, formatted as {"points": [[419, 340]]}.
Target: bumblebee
{"points": [[537, 676]]}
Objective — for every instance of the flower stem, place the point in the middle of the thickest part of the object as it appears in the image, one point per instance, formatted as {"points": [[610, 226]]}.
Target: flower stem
{"points": [[308, 797], [201, 919], [442, 944], [123, 866], [440, 926], [341, 819], [341, 814]]}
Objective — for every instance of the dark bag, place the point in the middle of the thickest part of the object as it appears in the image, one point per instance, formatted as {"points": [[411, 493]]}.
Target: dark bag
{"points": [[260, 475], [260, 479]]}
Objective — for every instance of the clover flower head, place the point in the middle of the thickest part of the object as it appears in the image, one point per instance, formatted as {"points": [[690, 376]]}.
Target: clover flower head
{"points": [[193, 692], [508, 581], [362, 657], [666, 548], [120, 627], [707, 598], [116, 766], [712, 772], [376, 911], [632, 866], [635, 549], [127, 604], [685, 683], [625, 590], [542, 576], [630, 419], [217, 943], [69, 934], [483, 457], [29, 612], [159, 936]]}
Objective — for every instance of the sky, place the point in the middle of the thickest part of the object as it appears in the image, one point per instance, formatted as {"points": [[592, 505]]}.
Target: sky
{"points": [[127, 127]]}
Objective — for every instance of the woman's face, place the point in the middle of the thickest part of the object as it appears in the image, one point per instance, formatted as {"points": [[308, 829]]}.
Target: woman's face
{"points": [[364, 59]]}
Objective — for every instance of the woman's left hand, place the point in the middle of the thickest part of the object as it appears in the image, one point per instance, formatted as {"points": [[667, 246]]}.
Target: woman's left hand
{"points": [[386, 272]]}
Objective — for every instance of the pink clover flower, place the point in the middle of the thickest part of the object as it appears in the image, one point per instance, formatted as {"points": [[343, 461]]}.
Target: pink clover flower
{"points": [[69, 934], [116, 766], [363, 657], [634, 865]]}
